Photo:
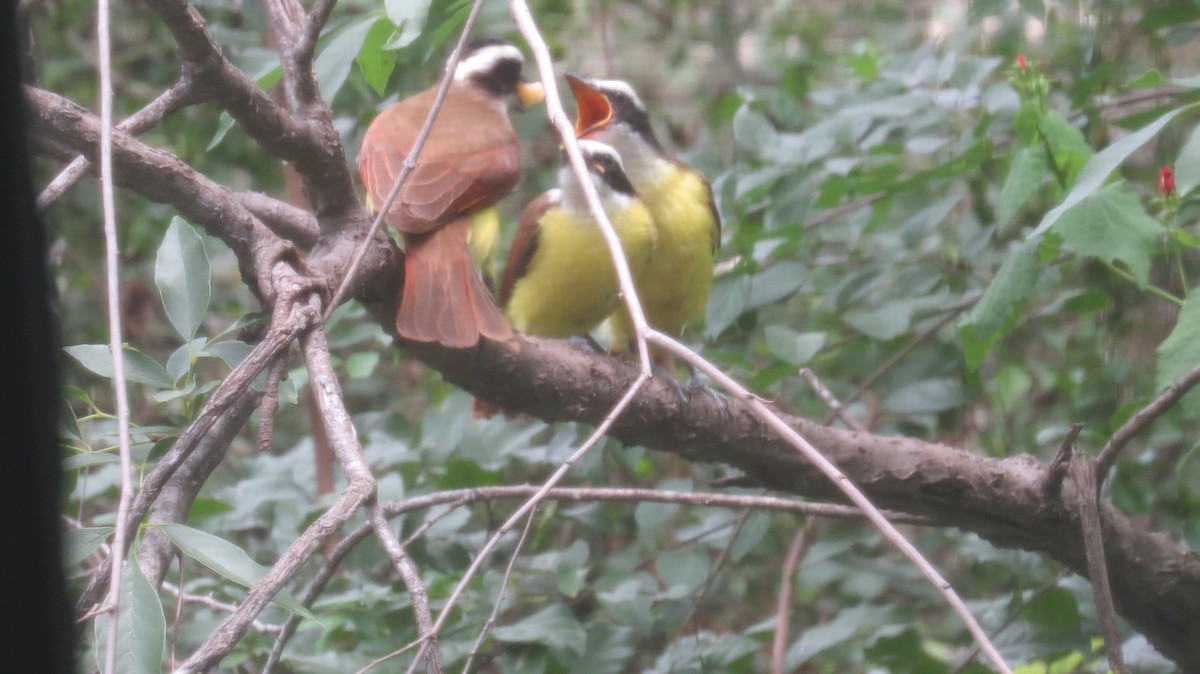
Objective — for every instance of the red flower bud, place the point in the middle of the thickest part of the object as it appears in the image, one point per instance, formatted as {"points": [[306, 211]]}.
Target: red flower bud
{"points": [[1166, 181], [1021, 62]]}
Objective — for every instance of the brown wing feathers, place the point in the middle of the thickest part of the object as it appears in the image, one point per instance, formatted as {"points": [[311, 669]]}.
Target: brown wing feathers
{"points": [[469, 162]]}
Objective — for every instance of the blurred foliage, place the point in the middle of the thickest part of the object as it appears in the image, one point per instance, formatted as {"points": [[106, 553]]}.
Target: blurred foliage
{"points": [[951, 212]]}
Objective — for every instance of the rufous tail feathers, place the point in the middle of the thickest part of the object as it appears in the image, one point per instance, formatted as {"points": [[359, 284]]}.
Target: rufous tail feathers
{"points": [[444, 300]]}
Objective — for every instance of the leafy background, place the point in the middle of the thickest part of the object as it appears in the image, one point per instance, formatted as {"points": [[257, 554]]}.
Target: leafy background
{"points": [[962, 249]]}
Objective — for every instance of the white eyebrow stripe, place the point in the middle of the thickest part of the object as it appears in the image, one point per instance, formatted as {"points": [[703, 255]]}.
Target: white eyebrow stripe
{"points": [[619, 87], [593, 148], [484, 59]]}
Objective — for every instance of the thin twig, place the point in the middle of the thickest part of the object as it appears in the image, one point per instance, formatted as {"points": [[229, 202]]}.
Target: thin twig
{"points": [[1057, 469], [527, 507], [343, 438], [491, 621], [412, 581], [1083, 474], [908, 348], [835, 406], [410, 162], [216, 605], [842, 482], [739, 523], [1144, 417], [1014, 612], [801, 542], [270, 402], [115, 340], [328, 567], [844, 209], [359, 490], [179, 95]]}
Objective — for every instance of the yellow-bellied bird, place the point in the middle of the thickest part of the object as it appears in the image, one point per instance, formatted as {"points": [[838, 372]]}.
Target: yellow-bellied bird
{"points": [[470, 160], [560, 280], [674, 285]]}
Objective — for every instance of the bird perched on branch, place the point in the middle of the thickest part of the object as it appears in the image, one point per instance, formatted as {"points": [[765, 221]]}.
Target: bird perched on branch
{"points": [[674, 285], [560, 280], [470, 160]]}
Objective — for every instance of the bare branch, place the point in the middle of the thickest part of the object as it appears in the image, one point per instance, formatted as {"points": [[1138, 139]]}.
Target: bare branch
{"points": [[359, 490], [839, 479], [801, 542], [1145, 416], [215, 605], [155, 551], [528, 507], [153, 173], [222, 398], [490, 623], [115, 340], [178, 96], [836, 409], [302, 52], [1057, 470], [896, 358], [1083, 474], [311, 144]]}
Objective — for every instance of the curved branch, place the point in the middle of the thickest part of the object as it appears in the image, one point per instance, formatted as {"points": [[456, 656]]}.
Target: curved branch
{"points": [[311, 144], [179, 95], [158, 175]]}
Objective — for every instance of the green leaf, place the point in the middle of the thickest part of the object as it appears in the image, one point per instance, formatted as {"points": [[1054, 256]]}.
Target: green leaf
{"points": [[884, 322], [753, 131], [553, 626], [1098, 168], [232, 351], [1111, 224], [141, 626], [997, 311], [375, 62], [333, 64], [726, 302], [1025, 176], [1150, 78], [88, 459], [1187, 166], [79, 543], [842, 628], [925, 397], [1180, 351], [409, 17], [182, 275], [139, 367], [361, 365], [228, 560], [794, 347]]}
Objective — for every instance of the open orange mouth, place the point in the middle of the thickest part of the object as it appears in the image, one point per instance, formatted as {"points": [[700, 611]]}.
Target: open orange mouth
{"points": [[591, 106]]}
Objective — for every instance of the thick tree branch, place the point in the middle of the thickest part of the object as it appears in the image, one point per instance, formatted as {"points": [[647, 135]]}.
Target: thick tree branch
{"points": [[1156, 583], [311, 143], [153, 173], [156, 550], [179, 95]]}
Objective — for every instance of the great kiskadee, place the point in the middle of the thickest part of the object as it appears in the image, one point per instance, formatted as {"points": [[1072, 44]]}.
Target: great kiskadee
{"points": [[560, 280], [469, 161], [674, 285]]}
